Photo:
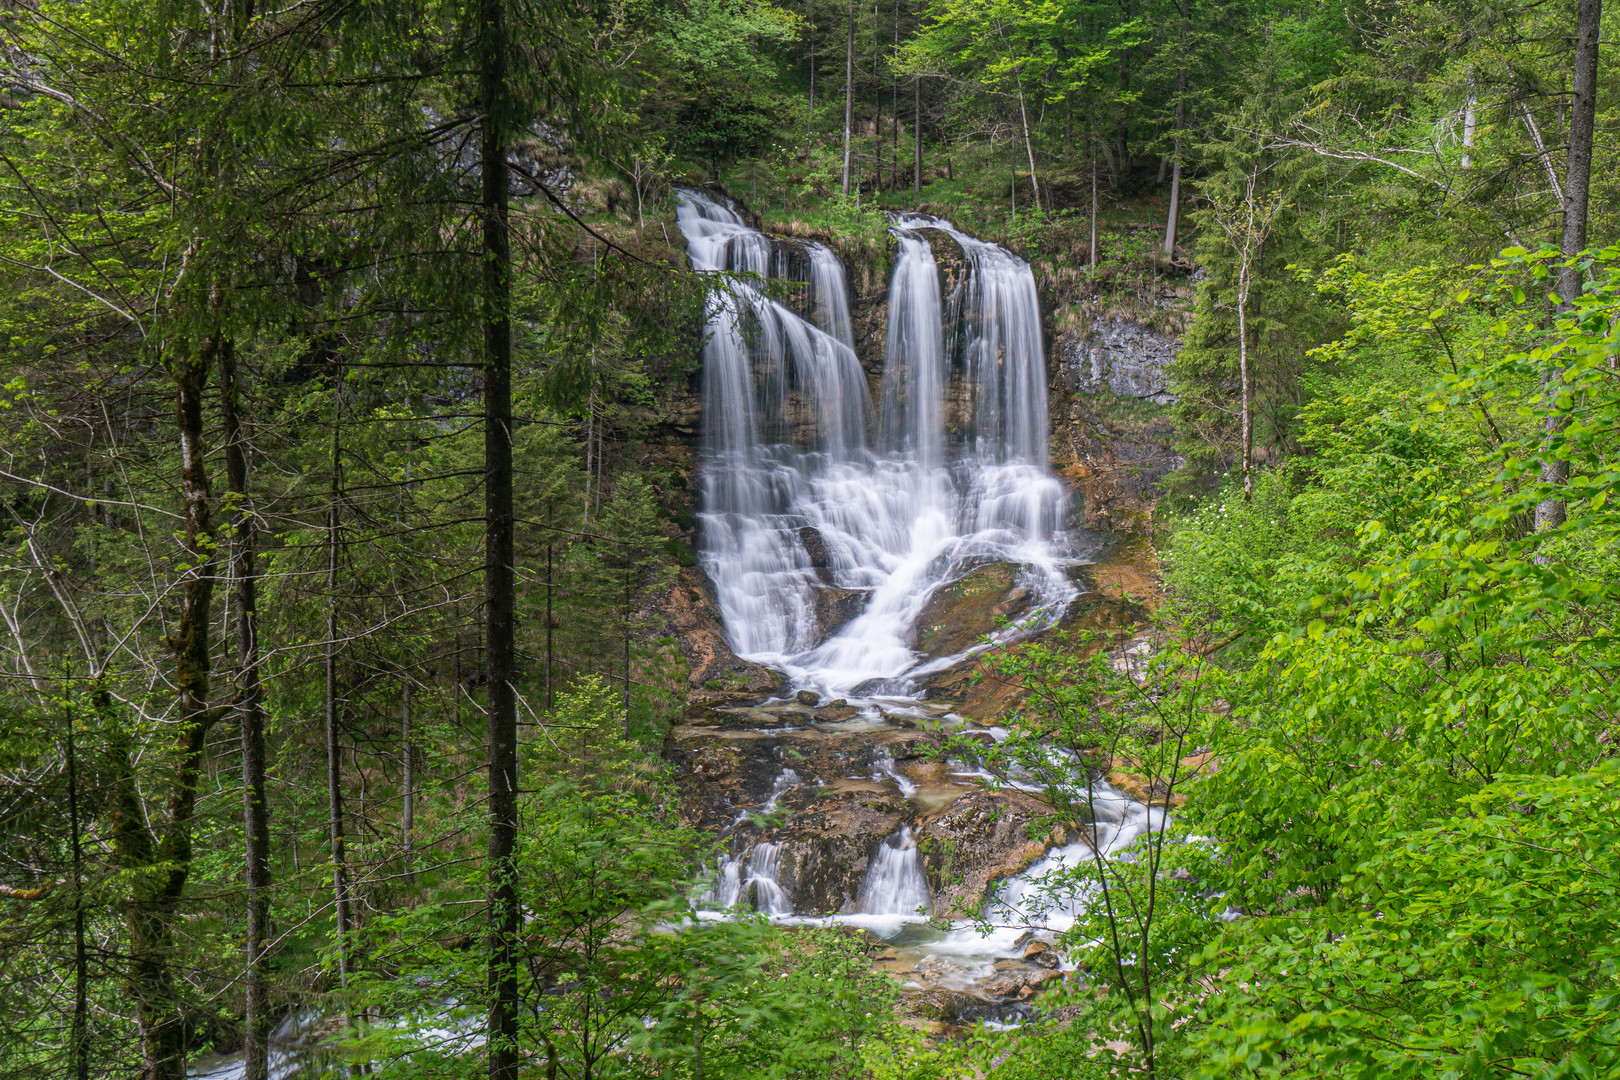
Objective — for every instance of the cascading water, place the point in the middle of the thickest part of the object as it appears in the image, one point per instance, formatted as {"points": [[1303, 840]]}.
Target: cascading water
{"points": [[895, 883], [789, 453], [751, 880]]}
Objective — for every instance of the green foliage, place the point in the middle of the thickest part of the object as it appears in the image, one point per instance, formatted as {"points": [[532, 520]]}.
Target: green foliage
{"points": [[1480, 946], [719, 55], [1412, 790]]}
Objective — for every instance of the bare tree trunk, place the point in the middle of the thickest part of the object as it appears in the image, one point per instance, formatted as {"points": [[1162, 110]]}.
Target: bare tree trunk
{"points": [[551, 589], [916, 133], [894, 105], [877, 113], [1243, 372], [628, 595], [1173, 219], [810, 114], [849, 91], [79, 1032], [250, 714], [500, 595], [1470, 120], [407, 763], [162, 864], [1093, 202], [334, 751], [1577, 189], [1029, 147]]}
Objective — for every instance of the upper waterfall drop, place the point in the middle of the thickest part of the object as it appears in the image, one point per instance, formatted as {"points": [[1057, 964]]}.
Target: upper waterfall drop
{"points": [[808, 492]]}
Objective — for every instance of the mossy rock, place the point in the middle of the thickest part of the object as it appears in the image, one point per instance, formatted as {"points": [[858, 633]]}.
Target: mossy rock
{"points": [[960, 613]]}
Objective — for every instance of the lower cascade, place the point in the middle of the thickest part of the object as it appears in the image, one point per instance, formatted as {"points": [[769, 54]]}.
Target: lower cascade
{"points": [[808, 486], [750, 880], [896, 884]]}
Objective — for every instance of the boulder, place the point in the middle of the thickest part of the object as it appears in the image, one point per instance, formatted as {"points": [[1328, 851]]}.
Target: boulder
{"points": [[836, 608], [947, 1005], [808, 697], [963, 611], [979, 838], [816, 548], [715, 674]]}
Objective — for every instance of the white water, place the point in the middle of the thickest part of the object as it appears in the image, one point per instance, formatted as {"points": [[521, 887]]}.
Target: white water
{"points": [[886, 770], [751, 879], [895, 883], [289, 1053], [903, 505]]}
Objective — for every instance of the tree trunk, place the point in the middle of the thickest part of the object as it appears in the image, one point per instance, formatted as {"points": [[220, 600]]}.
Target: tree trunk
{"points": [[250, 714], [877, 112], [334, 751], [79, 1031], [500, 596], [550, 625], [894, 106], [1577, 188], [1029, 147], [849, 91], [629, 593], [407, 777], [1093, 263], [810, 114], [160, 866], [916, 133], [1470, 121], [1243, 372], [1173, 219]]}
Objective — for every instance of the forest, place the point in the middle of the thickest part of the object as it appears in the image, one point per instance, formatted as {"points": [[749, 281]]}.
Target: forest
{"points": [[786, 539]]}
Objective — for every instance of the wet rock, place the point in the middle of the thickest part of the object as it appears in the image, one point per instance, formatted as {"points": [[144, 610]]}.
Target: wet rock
{"points": [[980, 838], [960, 613], [1041, 955], [1009, 964], [808, 697], [946, 1005], [836, 713], [1023, 985], [836, 608], [715, 673], [714, 763], [816, 548]]}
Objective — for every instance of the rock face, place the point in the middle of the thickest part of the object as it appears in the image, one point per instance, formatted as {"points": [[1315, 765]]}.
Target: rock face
{"points": [[715, 673], [960, 613], [1122, 357]]}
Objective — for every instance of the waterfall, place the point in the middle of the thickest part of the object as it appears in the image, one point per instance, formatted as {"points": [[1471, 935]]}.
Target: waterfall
{"points": [[895, 883], [750, 880], [763, 866], [1029, 899], [898, 502], [787, 779], [829, 296], [886, 771]]}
